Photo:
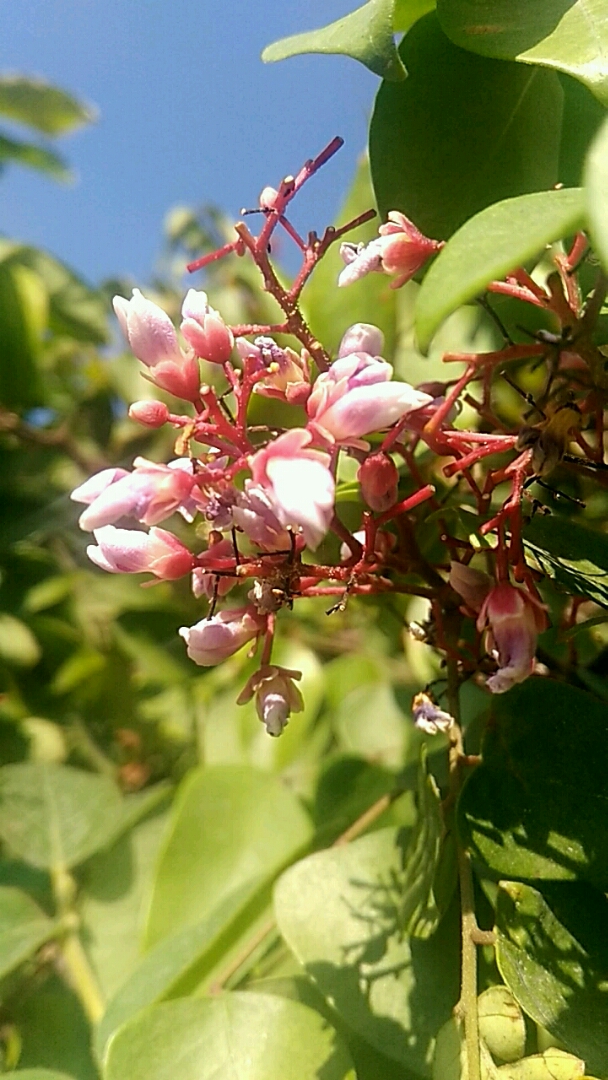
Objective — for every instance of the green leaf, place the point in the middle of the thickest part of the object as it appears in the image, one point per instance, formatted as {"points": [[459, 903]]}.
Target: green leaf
{"points": [[339, 913], [34, 157], [241, 1036], [492, 243], [23, 317], [534, 808], [596, 192], [18, 645], [407, 12], [115, 896], [41, 105], [553, 1064], [570, 35], [37, 1074], [443, 147], [161, 970], [55, 816], [571, 554], [365, 34], [552, 952], [582, 119], [54, 1032], [232, 826], [418, 912], [23, 928]]}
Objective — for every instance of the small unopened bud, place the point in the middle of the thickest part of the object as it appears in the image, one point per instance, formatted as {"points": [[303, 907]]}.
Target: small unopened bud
{"points": [[268, 198], [379, 479], [149, 413]]}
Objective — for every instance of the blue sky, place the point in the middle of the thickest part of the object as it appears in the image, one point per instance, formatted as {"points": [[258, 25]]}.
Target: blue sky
{"points": [[188, 114]]}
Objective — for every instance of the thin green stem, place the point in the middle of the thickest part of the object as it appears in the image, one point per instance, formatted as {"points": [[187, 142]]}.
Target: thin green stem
{"points": [[74, 961]]}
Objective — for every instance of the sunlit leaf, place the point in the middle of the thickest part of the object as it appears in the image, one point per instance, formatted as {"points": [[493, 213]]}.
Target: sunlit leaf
{"points": [[525, 822], [41, 105], [573, 555], [570, 35], [552, 951], [495, 241], [18, 644], [232, 826], [23, 317], [23, 928], [596, 192], [365, 34], [407, 12], [238, 1037], [339, 912], [54, 815], [447, 145]]}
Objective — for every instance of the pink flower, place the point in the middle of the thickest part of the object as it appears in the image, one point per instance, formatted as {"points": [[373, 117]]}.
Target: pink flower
{"points": [[513, 620], [362, 338], [212, 640], [379, 479], [298, 483], [253, 513], [400, 249], [152, 338], [207, 582], [149, 494], [428, 717], [276, 696], [204, 329], [150, 413], [356, 397], [125, 551]]}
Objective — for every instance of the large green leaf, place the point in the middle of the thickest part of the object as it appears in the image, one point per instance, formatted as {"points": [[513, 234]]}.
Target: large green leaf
{"points": [[34, 157], [54, 1031], [54, 816], [365, 34], [115, 895], [570, 35], [573, 555], [37, 1074], [339, 912], [235, 1037], [582, 119], [535, 807], [461, 132], [232, 826], [407, 12], [596, 192], [23, 928], [495, 241], [162, 970], [23, 317], [41, 105], [552, 951]]}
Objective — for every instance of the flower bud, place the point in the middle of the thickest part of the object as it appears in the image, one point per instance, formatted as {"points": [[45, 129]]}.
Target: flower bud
{"points": [[205, 330], [379, 479], [151, 414], [212, 640]]}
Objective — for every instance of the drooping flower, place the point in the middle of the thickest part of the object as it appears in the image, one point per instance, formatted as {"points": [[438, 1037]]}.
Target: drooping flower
{"points": [[149, 494], [473, 585], [211, 641], [400, 249], [513, 620], [297, 482], [428, 717], [127, 551], [356, 397], [276, 696], [204, 329]]}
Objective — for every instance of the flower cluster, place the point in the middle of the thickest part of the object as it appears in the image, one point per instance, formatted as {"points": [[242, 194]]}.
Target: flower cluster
{"points": [[261, 497]]}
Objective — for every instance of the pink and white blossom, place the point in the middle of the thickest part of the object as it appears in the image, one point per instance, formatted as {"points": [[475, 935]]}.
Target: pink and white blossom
{"points": [[204, 329], [400, 249], [298, 483], [153, 339], [127, 551], [428, 717], [276, 696], [513, 620], [253, 513], [211, 641], [149, 494], [356, 397]]}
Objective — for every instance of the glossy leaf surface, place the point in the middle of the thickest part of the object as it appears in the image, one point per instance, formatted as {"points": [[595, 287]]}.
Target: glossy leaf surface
{"points": [[531, 823], [570, 35], [495, 241], [480, 130], [552, 951], [339, 912], [365, 34], [237, 1037]]}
